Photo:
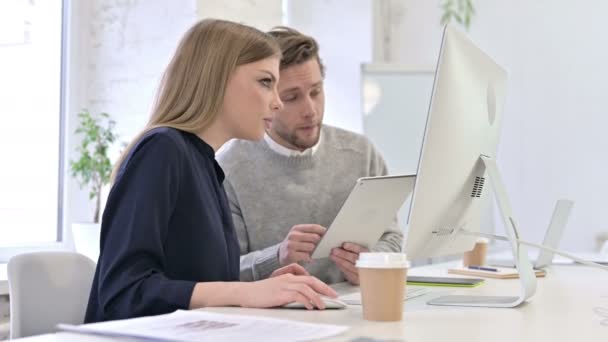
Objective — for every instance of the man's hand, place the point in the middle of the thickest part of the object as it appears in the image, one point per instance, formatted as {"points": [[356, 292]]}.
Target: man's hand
{"points": [[299, 243], [345, 258]]}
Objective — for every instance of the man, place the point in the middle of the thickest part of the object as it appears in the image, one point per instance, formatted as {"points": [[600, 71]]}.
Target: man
{"points": [[285, 190]]}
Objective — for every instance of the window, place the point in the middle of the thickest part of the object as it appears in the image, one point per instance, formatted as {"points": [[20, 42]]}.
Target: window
{"points": [[30, 122]]}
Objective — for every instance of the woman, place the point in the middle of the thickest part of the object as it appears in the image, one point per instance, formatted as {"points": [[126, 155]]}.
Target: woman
{"points": [[167, 239]]}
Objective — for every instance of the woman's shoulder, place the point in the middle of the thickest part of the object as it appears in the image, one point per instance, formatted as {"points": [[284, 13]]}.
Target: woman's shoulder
{"points": [[158, 148], [162, 139], [167, 134], [158, 144]]}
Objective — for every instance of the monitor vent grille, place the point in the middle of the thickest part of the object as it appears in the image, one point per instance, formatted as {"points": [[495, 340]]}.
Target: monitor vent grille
{"points": [[478, 187], [443, 231]]}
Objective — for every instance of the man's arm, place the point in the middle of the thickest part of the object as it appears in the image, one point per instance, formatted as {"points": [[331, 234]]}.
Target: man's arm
{"points": [[391, 240], [345, 256], [254, 265]]}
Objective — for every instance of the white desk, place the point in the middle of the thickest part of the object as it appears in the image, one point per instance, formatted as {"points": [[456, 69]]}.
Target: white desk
{"points": [[562, 310]]}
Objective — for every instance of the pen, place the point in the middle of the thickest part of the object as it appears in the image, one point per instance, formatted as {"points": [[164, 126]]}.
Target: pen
{"points": [[491, 269]]}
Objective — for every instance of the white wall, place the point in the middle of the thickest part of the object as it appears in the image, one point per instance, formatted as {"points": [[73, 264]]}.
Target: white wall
{"points": [[121, 47], [343, 29], [118, 51], [261, 14], [553, 141]]}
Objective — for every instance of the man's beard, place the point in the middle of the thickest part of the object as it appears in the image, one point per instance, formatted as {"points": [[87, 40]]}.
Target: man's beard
{"points": [[293, 139]]}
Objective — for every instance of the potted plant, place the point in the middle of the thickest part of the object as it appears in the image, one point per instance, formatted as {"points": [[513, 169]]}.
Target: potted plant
{"points": [[92, 170], [461, 11]]}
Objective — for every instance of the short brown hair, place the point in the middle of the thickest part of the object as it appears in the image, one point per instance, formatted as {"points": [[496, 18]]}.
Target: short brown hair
{"points": [[297, 48]]}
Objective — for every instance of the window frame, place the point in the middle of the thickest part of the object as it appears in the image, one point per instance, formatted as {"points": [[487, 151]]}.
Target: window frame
{"points": [[59, 244]]}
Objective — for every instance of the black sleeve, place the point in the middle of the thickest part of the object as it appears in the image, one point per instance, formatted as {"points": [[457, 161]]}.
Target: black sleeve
{"points": [[132, 279]]}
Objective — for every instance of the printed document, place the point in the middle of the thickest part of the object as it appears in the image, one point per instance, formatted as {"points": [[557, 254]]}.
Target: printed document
{"points": [[184, 325]]}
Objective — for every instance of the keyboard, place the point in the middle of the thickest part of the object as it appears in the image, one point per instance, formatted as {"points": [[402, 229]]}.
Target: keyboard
{"points": [[411, 292]]}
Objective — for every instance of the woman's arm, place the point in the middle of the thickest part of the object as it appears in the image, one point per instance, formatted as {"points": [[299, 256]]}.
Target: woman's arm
{"points": [[288, 284], [132, 277]]}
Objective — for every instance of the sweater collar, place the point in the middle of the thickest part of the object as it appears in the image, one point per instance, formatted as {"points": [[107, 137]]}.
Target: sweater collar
{"points": [[287, 152]]}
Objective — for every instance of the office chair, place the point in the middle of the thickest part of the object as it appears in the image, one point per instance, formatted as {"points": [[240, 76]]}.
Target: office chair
{"points": [[47, 288]]}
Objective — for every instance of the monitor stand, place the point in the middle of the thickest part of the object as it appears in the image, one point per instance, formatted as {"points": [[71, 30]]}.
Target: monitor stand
{"points": [[527, 277]]}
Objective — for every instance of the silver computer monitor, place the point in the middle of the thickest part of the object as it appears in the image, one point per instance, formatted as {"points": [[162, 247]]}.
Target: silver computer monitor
{"points": [[463, 124], [543, 258], [457, 163]]}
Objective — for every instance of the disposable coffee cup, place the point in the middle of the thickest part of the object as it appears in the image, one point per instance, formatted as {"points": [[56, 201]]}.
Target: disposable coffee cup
{"points": [[476, 256], [382, 277]]}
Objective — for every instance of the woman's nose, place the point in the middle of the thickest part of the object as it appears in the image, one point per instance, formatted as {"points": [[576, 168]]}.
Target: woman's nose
{"points": [[276, 104]]}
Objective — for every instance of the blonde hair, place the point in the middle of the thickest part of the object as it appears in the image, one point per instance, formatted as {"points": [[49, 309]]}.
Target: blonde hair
{"points": [[191, 92]]}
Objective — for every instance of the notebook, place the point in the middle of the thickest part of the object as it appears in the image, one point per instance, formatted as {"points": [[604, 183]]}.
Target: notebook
{"points": [[500, 273]]}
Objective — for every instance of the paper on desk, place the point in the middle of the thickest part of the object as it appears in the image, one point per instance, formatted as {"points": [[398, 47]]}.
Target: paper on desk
{"points": [[207, 326], [500, 273]]}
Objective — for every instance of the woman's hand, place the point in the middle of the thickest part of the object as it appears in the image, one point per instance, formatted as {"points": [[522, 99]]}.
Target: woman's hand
{"points": [[288, 284], [284, 288], [294, 269]]}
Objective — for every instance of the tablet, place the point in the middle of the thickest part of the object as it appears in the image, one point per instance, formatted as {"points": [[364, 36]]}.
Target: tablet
{"points": [[367, 213]]}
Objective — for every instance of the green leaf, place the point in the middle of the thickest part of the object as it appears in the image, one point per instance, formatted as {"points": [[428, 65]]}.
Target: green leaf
{"points": [[92, 167], [461, 11], [445, 18]]}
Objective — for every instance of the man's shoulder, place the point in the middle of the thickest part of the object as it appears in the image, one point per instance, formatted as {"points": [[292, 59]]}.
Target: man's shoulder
{"points": [[238, 151], [353, 149], [345, 139]]}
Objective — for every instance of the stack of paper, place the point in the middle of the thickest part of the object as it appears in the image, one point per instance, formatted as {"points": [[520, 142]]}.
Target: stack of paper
{"points": [[496, 272], [207, 326]]}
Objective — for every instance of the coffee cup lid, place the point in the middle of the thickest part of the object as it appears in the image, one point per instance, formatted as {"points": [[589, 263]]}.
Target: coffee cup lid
{"points": [[382, 260]]}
